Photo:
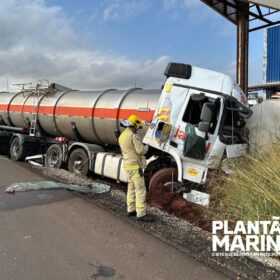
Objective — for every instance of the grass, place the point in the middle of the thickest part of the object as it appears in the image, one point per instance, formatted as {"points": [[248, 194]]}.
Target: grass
{"points": [[252, 192]]}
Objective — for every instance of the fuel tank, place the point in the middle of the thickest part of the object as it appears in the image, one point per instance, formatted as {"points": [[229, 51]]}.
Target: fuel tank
{"points": [[95, 114]]}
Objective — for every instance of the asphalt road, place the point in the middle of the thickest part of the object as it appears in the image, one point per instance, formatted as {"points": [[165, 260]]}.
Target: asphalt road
{"points": [[56, 235]]}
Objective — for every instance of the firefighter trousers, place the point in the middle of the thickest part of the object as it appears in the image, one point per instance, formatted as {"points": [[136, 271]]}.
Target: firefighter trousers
{"points": [[136, 193]]}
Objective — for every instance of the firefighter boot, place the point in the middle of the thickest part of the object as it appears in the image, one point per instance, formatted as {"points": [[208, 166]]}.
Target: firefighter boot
{"points": [[146, 218], [131, 214]]}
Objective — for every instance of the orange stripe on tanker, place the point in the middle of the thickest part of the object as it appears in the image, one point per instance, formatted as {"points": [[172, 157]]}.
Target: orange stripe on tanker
{"points": [[81, 112]]}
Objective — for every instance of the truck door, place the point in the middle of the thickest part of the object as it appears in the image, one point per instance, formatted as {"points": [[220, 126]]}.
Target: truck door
{"points": [[196, 134]]}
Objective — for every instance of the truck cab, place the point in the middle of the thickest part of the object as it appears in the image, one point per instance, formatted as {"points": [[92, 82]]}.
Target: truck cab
{"points": [[199, 120]]}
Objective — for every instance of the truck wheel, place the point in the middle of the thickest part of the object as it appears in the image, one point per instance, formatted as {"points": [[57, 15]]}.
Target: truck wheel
{"points": [[54, 156], [17, 150], [78, 162], [161, 181]]}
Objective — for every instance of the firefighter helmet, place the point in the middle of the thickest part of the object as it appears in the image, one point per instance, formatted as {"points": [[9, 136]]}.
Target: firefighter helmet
{"points": [[135, 121]]}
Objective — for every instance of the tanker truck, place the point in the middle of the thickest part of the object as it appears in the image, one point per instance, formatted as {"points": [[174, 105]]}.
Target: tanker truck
{"points": [[189, 125]]}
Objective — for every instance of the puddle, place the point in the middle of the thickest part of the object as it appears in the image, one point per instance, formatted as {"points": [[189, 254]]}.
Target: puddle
{"points": [[102, 271], [97, 188]]}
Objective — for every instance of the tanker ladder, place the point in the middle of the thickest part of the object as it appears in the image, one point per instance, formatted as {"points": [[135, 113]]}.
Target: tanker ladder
{"points": [[35, 109]]}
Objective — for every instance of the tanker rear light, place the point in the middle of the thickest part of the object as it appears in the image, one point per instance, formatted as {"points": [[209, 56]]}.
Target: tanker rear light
{"points": [[61, 139], [178, 70]]}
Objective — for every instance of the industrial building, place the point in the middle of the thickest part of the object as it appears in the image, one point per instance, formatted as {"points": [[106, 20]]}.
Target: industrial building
{"points": [[271, 63], [250, 16]]}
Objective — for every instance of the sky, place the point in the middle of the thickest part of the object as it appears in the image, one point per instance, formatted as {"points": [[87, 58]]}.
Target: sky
{"points": [[99, 44]]}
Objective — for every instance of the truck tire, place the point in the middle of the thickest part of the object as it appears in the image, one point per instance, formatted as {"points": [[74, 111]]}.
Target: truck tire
{"points": [[54, 156], [17, 150], [78, 162], [161, 181]]}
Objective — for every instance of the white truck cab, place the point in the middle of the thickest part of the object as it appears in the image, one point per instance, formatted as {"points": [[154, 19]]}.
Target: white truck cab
{"points": [[198, 121]]}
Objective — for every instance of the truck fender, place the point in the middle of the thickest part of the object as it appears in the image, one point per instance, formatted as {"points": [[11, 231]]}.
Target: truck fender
{"points": [[91, 149], [178, 162], [154, 164]]}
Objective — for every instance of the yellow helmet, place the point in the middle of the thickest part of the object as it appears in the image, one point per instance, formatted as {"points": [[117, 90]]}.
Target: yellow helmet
{"points": [[135, 121]]}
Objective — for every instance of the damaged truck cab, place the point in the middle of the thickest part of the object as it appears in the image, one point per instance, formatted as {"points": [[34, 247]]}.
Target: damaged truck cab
{"points": [[199, 120]]}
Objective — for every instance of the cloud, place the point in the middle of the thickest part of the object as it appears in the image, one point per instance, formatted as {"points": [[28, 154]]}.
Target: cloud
{"points": [[38, 42], [123, 9], [194, 9], [94, 70], [22, 21]]}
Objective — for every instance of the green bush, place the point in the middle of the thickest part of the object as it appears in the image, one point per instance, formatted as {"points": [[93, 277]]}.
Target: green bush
{"points": [[252, 192]]}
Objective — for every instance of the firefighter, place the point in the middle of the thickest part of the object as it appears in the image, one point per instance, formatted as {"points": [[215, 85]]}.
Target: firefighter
{"points": [[133, 152]]}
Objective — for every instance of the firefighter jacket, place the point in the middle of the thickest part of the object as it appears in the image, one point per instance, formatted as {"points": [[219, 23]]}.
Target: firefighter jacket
{"points": [[133, 150]]}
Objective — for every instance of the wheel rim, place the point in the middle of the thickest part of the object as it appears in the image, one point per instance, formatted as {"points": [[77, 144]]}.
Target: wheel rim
{"points": [[78, 164], [166, 182], [16, 148], [170, 186], [54, 159]]}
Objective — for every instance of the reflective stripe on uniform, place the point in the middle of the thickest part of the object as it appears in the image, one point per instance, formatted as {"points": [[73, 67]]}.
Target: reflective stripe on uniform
{"points": [[140, 205], [131, 167], [137, 175], [130, 200]]}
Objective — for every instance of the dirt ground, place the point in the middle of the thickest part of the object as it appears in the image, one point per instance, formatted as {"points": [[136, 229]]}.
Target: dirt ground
{"points": [[176, 205], [179, 207]]}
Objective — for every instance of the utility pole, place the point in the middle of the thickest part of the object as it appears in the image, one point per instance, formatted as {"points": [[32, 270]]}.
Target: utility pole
{"points": [[242, 46]]}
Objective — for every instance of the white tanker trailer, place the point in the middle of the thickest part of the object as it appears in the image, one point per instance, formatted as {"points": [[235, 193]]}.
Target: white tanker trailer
{"points": [[190, 125]]}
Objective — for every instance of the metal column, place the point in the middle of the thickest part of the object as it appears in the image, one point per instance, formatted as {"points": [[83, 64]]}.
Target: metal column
{"points": [[242, 46]]}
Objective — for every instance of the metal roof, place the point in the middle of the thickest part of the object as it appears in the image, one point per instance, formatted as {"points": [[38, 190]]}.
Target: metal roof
{"points": [[259, 13], [274, 4], [275, 86]]}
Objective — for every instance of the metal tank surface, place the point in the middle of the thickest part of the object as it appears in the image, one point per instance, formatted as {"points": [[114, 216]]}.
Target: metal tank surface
{"points": [[96, 114]]}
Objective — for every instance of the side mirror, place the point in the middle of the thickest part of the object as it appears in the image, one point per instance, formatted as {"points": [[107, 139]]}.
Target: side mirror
{"points": [[206, 116]]}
